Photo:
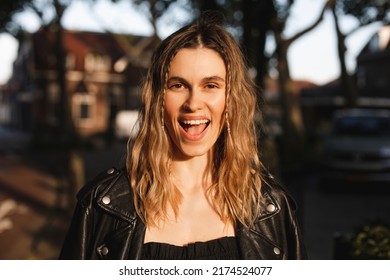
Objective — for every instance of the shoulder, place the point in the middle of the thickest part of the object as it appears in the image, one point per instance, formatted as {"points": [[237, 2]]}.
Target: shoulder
{"points": [[108, 180], [275, 197], [110, 193], [275, 233], [99, 181]]}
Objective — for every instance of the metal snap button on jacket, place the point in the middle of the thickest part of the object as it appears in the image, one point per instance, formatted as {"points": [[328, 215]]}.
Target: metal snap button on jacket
{"points": [[271, 208], [106, 200], [104, 251], [111, 170], [277, 251]]}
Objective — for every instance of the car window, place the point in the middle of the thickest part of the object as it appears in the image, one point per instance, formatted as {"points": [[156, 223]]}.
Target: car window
{"points": [[361, 125]]}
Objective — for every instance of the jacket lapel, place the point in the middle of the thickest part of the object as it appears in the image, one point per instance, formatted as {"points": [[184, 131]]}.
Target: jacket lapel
{"points": [[126, 238], [254, 242]]}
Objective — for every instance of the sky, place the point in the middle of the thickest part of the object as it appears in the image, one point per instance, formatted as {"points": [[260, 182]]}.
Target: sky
{"points": [[313, 57]]}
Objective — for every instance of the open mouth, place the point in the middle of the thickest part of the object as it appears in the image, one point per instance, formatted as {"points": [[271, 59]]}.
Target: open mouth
{"points": [[194, 127]]}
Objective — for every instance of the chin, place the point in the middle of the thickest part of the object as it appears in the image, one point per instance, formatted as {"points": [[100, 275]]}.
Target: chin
{"points": [[190, 152]]}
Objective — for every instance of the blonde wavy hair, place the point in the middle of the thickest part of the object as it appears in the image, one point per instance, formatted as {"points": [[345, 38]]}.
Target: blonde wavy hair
{"points": [[236, 167]]}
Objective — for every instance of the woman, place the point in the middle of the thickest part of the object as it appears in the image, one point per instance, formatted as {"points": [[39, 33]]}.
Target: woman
{"points": [[194, 187]]}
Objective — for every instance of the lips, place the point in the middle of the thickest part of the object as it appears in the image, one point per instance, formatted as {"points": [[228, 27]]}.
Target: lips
{"points": [[194, 127]]}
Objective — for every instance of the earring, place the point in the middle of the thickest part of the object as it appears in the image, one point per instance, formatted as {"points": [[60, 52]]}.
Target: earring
{"points": [[227, 122], [162, 119]]}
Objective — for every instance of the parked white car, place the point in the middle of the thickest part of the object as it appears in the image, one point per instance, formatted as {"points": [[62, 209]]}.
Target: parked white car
{"points": [[358, 148], [126, 124]]}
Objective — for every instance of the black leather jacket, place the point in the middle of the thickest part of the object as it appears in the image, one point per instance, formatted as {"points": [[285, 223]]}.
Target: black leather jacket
{"points": [[105, 224]]}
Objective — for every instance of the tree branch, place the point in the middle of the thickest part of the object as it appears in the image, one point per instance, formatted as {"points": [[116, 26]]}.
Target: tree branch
{"points": [[353, 30], [328, 4]]}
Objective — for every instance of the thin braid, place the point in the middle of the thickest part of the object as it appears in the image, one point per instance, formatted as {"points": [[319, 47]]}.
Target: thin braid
{"points": [[228, 87], [228, 78], [162, 112], [164, 93]]}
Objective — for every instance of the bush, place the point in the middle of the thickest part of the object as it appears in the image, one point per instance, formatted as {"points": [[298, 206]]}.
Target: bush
{"points": [[371, 242], [368, 242]]}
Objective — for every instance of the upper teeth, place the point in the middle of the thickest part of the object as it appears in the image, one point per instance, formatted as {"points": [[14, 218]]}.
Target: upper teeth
{"points": [[195, 122]]}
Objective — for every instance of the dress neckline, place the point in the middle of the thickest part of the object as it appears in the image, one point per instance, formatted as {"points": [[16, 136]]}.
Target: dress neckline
{"points": [[222, 248], [191, 243]]}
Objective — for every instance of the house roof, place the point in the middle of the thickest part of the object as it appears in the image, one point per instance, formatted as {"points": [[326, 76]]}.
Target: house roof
{"points": [[272, 87], [137, 49]]}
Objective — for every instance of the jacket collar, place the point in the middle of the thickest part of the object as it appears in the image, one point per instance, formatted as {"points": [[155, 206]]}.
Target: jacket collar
{"points": [[117, 198]]}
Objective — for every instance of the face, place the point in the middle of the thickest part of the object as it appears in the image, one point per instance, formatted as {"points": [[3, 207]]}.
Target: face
{"points": [[195, 101]]}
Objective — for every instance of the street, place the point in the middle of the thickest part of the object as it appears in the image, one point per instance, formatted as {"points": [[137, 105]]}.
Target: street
{"points": [[33, 200]]}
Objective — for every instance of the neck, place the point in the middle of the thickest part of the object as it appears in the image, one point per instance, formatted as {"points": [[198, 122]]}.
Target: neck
{"points": [[192, 173]]}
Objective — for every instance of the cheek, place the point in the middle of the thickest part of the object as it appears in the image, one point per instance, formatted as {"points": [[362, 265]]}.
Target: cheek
{"points": [[219, 106], [169, 106], [171, 110]]}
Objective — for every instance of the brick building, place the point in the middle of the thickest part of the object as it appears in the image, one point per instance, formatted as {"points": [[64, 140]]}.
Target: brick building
{"points": [[102, 76]]}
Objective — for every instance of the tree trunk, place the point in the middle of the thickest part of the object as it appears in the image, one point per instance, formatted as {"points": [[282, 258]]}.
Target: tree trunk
{"points": [[347, 85], [256, 24], [73, 163], [293, 140]]}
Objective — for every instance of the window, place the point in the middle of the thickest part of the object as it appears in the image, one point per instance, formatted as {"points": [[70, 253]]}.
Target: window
{"points": [[84, 109], [70, 61], [362, 125], [97, 63]]}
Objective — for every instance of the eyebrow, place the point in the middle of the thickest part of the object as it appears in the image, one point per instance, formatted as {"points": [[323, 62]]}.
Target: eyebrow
{"points": [[206, 79], [213, 78]]}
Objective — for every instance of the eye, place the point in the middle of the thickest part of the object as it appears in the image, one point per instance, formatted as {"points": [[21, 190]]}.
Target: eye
{"points": [[176, 86], [211, 86]]}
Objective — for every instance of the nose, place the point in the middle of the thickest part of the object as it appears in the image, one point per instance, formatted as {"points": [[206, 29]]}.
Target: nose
{"points": [[194, 101]]}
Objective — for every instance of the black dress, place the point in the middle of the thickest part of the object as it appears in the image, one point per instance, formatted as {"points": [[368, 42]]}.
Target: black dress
{"points": [[224, 248]]}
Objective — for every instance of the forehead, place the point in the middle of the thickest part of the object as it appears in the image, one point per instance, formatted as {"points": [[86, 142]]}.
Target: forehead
{"points": [[194, 60]]}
